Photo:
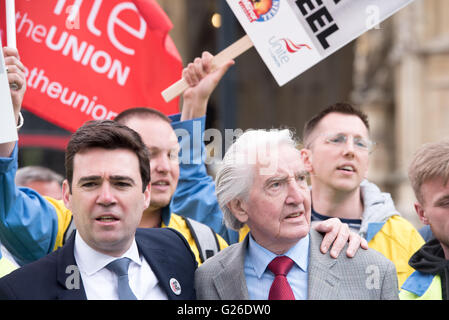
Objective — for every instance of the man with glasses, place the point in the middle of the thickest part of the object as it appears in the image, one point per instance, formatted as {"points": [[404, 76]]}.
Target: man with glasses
{"points": [[336, 154]]}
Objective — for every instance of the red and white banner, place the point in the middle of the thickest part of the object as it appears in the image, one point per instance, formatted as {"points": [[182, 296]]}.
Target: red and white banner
{"points": [[91, 59]]}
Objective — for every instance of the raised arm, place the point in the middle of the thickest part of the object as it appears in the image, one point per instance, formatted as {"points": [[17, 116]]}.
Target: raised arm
{"points": [[202, 78], [30, 225], [195, 194]]}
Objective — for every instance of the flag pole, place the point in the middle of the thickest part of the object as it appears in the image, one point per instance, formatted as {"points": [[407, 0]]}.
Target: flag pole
{"points": [[11, 23], [231, 52]]}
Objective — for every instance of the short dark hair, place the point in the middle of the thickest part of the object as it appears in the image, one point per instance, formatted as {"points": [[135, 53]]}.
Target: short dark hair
{"points": [[109, 135], [340, 107], [140, 112]]}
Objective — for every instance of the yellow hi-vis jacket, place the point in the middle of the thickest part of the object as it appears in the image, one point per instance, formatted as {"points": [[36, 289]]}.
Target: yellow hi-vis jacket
{"points": [[6, 266], [397, 240]]}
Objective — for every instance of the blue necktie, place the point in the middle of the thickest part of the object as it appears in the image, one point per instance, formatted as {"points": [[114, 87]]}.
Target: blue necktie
{"points": [[120, 268]]}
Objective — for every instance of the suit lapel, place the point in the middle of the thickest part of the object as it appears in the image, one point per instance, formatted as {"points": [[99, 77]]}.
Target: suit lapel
{"points": [[163, 270], [323, 281], [68, 275], [167, 272], [230, 281]]}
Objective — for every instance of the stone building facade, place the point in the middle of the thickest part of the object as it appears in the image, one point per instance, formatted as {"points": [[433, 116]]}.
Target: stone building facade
{"points": [[401, 79]]}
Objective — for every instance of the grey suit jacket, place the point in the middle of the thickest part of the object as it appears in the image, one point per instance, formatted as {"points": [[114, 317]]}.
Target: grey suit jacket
{"points": [[369, 275]]}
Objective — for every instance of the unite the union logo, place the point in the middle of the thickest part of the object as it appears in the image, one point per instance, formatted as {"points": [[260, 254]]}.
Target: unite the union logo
{"points": [[259, 10], [281, 48]]}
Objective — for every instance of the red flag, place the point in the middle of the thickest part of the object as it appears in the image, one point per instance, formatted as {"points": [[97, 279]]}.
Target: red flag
{"points": [[95, 60], [158, 21], [153, 14], [2, 22]]}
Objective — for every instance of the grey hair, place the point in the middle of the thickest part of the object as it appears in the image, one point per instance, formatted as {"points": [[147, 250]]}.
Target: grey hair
{"points": [[29, 174], [236, 172]]}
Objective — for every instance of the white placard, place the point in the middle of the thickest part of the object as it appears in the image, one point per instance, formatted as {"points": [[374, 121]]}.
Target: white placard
{"points": [[11, 23], [8, 131], [293, 35]]}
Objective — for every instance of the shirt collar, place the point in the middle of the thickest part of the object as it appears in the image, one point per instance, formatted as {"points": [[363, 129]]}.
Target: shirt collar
{"points": [[166, 215], [91, 261], [299, 253]]}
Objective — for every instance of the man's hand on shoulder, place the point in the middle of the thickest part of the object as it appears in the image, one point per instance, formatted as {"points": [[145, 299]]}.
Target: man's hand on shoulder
{"points": [[337, 234]]}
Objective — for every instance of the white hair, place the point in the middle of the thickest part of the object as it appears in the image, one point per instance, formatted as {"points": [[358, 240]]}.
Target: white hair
{"points": [[236, 172]]}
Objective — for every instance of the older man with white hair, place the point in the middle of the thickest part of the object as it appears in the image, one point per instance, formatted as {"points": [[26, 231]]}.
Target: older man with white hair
{"points": [[262, 182]]}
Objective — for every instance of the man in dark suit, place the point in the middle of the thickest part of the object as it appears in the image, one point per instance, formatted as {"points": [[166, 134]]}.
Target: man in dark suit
{"points": [[107, 190]]}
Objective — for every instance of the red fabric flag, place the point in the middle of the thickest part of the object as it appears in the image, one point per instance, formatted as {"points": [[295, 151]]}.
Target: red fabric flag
{"points": [[153, 14], [91, 59], [158, 21]]}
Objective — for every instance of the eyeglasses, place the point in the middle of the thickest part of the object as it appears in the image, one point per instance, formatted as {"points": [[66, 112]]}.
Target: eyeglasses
{"points": [[341, 139]]}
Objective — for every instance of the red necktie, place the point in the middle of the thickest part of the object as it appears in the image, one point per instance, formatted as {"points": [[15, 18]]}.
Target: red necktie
{"points": [[280, 289]]}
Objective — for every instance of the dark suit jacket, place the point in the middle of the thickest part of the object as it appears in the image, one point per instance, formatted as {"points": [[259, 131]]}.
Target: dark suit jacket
{"points": [[51, 277]]}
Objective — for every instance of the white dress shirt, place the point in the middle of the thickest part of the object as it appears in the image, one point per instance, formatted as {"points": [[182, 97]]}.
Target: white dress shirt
{"points": [[101, 283]]}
